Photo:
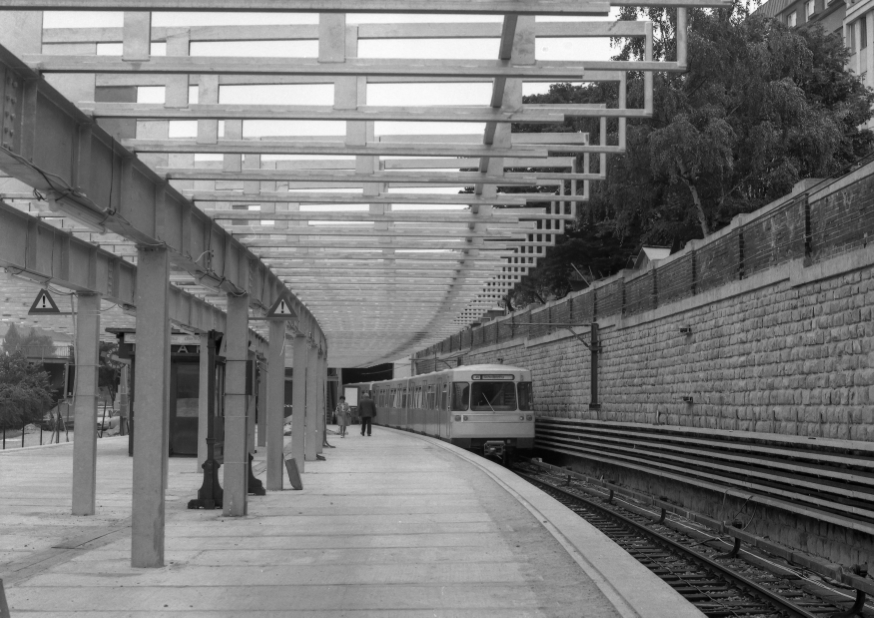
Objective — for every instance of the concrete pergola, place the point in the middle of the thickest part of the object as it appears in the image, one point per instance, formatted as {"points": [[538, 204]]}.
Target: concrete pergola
{"points": [[352, 231]]}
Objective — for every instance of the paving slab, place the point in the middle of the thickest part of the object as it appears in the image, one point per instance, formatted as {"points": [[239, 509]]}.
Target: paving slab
{"points": [[389, 525]]}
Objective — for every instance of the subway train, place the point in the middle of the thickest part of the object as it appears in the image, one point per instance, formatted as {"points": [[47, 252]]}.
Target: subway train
{"points": [[484, 408]]}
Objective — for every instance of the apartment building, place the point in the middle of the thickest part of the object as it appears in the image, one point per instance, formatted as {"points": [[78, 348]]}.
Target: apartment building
{"points": [[852, 19]]}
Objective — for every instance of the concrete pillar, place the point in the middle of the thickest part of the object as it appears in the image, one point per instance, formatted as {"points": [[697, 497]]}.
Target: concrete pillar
{"points": [[151, 407], [298, 419], [275, 405], [85, 404], [311, 441], [236, 404], [203, 401], [250, 403], [320, 402], [262, 404], [323, 398]]}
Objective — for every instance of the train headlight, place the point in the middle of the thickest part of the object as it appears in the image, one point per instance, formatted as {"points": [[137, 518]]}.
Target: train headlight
{"points": [[458, 417], [530, 417], [521, 417], [464, 418]]}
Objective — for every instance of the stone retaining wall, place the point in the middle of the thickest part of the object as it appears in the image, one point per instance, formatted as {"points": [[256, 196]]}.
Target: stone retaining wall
{"points": [[774, 335]]}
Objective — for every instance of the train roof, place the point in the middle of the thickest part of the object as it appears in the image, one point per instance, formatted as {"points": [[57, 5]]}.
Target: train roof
{"points": [[491, 368]]}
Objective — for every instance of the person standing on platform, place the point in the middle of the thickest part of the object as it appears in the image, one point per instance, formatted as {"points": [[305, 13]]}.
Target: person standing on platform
{"points": [[366, 411], [342, 412]]}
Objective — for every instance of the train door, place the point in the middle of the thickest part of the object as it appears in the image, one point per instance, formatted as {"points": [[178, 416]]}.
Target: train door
{"points": [[443, 411], [433, 412], [426, 409]]}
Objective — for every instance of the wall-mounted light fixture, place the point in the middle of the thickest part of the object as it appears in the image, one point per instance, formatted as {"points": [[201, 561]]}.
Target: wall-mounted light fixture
{"points": [[688, 399], [685, 330]]}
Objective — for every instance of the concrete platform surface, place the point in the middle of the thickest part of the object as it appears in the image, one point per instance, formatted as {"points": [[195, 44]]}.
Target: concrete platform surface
{"points": [[390, 525]]}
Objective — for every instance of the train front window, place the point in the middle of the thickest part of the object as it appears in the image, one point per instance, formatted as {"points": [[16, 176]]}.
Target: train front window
{"points": [[493, 396], [525, 396], [460, 395]]}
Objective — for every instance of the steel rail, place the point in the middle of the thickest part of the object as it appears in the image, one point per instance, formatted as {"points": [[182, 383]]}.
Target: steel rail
{"points": [[742, 582]]}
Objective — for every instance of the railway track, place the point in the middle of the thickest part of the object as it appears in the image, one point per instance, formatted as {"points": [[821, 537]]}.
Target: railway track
{"points": [[719, 585]]}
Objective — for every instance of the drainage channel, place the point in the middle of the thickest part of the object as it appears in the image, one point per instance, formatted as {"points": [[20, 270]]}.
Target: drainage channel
{"points": [[715, 588]]}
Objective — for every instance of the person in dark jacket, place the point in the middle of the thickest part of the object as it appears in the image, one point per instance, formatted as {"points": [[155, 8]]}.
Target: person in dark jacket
{"points": [[366, 411]]}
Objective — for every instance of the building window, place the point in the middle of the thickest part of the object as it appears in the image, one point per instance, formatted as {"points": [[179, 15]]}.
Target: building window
{"points": [[851, 38], [809, 8], [863, 33], [791, 19]]}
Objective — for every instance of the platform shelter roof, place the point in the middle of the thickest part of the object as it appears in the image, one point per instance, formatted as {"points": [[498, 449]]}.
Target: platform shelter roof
{"points": [[368, 159]]}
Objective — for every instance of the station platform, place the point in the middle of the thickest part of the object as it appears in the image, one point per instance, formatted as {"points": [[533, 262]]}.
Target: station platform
{"points": [[389, 525]]}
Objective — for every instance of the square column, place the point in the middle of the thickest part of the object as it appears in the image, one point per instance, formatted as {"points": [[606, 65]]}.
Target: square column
{"points": [[203, 401], [312, 442], [151, 412], [236, 407], [299, 399], [85, 404], [262, 404], [323, 398], [251, 401], [275, 406]]}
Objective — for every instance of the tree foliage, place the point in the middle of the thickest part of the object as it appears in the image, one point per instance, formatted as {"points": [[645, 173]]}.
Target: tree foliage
{"points": [[761, 107], [25, 395], [15, 341]]}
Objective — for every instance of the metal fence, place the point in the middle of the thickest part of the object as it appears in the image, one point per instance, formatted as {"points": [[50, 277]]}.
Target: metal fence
{"points": [[798, 228]]}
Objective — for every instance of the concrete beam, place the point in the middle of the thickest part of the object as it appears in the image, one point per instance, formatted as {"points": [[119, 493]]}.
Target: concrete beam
{"points": [[326, 148], [36, 250], [375, 31], [481, 7], [462, 113], [89, 176]]}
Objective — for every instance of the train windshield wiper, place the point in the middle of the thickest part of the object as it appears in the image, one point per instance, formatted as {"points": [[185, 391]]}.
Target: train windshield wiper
{"points": [[486, 397]]}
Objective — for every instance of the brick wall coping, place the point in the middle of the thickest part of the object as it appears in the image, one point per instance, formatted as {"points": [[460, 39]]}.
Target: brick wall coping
{"points": [[815, 192], [820, 192], [795, 271], [725, 434]]}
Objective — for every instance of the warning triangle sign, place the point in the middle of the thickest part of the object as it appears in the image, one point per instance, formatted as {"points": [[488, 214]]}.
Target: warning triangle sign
{"points": [[281, 309], [43, 304]]}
